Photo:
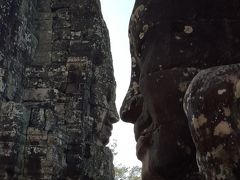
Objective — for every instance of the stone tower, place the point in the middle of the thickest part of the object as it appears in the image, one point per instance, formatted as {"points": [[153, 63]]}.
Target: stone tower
{"points": [[57, 91]]}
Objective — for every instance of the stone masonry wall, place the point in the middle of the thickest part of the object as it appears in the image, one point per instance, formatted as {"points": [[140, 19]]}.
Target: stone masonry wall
{"points": [[57, 91]]}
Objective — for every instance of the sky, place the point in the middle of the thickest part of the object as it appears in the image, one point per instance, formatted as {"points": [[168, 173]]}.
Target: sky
{"points": [[116, 14]]}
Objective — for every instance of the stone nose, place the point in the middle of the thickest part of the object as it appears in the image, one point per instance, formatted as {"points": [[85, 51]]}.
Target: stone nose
{"points": [[131, 108], [113, 116]]}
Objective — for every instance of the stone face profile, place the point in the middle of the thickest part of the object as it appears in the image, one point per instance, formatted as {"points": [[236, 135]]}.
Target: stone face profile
{"points": [[185, 53], [57, 91]]}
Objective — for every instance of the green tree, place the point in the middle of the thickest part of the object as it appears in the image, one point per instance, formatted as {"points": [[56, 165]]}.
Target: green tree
{"points": [[127, 173], [135, 173], [123, 172]]}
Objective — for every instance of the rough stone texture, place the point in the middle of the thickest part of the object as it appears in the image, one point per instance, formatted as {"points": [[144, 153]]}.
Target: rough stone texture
{"points": [[57, 91], [175, 46], [213, 115]]}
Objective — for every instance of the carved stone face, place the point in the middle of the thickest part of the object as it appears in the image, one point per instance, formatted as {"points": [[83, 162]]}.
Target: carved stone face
{"points": [[171, 41], [154, 104], [164, 143], [104, 126], [103, 106]]}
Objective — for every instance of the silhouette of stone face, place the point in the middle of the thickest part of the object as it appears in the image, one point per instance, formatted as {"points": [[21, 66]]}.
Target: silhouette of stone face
{"points": [[104, 108], [154, 105], [171, 41], [164, 143], [106, 119]]}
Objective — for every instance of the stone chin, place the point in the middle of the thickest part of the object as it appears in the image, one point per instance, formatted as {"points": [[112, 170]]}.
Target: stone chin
{"points": [[104, 135], [161, 157]]}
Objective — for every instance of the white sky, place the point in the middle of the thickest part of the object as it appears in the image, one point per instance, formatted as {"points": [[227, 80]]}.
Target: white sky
{"points": [[117, 14]]}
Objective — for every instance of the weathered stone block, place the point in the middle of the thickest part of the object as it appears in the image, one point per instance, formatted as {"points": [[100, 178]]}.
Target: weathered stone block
{"points": [[46, 131], [63, 13], [59, 4], [40, 94]]}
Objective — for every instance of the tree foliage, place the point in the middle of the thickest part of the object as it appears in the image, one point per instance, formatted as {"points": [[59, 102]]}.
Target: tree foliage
{"points": [[127, 173], [123, 172], [135, 173]]}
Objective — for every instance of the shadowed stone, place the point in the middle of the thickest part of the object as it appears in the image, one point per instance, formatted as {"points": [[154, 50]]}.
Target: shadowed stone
{"points": [[175, 46]]}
